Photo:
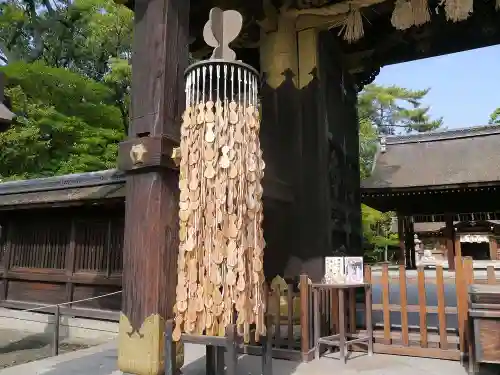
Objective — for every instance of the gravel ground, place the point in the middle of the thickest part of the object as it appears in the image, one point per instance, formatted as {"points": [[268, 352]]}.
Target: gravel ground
{"points": [[17, 347]]}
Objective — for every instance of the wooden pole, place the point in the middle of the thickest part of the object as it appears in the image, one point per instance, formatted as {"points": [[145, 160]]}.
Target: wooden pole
{"points": [[169, 348], [401, 236], [160, 55], [55, 339], [450, 241], [493, 247], [411, 242], [304, 316], [5, 263]]}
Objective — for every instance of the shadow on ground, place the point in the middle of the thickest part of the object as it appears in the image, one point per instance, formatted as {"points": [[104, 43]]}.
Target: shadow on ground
{"points": [[106, 365], [102, 360], [18, 347], [247, 365]]}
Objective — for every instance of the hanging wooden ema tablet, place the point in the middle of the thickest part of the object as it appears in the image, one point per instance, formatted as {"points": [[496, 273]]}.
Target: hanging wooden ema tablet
{"points": [[220, 264]]}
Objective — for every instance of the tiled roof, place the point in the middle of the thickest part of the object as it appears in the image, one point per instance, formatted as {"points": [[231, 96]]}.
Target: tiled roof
{"points": [[453, 157], [91, 186]]}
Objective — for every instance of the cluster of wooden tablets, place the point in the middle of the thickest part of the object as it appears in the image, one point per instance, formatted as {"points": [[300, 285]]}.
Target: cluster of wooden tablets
{"points": [[220, 263]]}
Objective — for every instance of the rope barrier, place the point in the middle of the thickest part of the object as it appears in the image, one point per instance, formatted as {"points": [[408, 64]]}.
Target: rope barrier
{"points": [[57, 315], [69, 303]]}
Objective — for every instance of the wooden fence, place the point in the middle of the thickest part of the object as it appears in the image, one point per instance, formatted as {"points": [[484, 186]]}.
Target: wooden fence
{"points": [[420, 313]]}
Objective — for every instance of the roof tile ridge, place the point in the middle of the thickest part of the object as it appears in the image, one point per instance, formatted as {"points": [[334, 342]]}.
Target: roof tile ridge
{"points": [[445, 135]]}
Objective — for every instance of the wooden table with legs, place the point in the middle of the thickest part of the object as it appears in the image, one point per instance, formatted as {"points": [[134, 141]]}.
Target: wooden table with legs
{"points": [[342, 339]]}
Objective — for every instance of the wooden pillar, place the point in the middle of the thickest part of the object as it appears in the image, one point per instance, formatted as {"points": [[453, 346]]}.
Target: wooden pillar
{"points": [[407, 242], [493, 247], [401, 237], [458, 245], [151, 240], [293, 138], [315, 180], [70, 261], [280, 138], [335, 111], [450, 241], [411, 242], [7, 234]]}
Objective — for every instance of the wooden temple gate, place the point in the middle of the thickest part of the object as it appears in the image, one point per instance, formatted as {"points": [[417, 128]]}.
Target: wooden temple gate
{"points": [[309, 137], [77, 254], [302, 103], [311, 189]]}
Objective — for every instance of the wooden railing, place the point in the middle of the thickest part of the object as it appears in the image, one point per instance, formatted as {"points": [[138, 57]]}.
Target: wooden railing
{"points": [[420, 313], [290, 307]]}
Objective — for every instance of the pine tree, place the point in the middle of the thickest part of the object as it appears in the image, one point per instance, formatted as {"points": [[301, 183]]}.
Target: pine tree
{"points": [[395, 110]]}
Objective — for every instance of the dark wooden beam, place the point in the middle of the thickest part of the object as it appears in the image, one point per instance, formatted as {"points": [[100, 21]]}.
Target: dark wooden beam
{"points": [[450, 241], [60, 276], [401, 237], [410, 243], [70, 260], [151, 241], [428, 201], [4, 266]]}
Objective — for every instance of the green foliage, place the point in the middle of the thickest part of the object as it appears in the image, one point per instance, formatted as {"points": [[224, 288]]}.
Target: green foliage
{"points": [[377, 232], [394, 109], [84, 36], [118, 78], [64, 123], [386, 111], [69, 82], [80, 35], [68, 92], [367, 146], [495, 117]]}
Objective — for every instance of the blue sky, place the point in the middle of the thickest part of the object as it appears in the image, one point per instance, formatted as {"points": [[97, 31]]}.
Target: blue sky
{"points": [[464, 86]]}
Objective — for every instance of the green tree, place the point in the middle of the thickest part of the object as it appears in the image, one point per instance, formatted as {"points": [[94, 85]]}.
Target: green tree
{"points": [[66, 123], [495, 117], [69, 82], [367, 146], [80, 35], [118, 78], [377, 233], [386, 111], [395, 109], [90, 37]]}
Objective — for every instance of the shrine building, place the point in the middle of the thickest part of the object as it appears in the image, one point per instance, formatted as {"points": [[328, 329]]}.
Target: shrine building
{"points": [[442, 187]]}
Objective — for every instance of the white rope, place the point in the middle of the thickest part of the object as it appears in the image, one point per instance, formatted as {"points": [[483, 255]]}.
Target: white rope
{"points": [[352, 27], [69, 303]]}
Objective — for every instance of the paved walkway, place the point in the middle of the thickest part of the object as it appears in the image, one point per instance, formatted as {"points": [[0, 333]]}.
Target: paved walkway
{"points": [[17, 347], [101, 360]]}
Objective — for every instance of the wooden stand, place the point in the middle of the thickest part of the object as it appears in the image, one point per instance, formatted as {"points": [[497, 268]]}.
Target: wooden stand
{"points": [[215, 349], [340, 339], [483, 326]]}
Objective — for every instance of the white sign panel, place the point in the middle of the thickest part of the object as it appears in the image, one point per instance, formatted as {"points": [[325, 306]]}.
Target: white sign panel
{"points": [[334, 269], [354, 270]]}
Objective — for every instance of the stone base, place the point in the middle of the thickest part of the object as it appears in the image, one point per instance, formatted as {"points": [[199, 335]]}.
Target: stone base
{"points": [[142, 353]]}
